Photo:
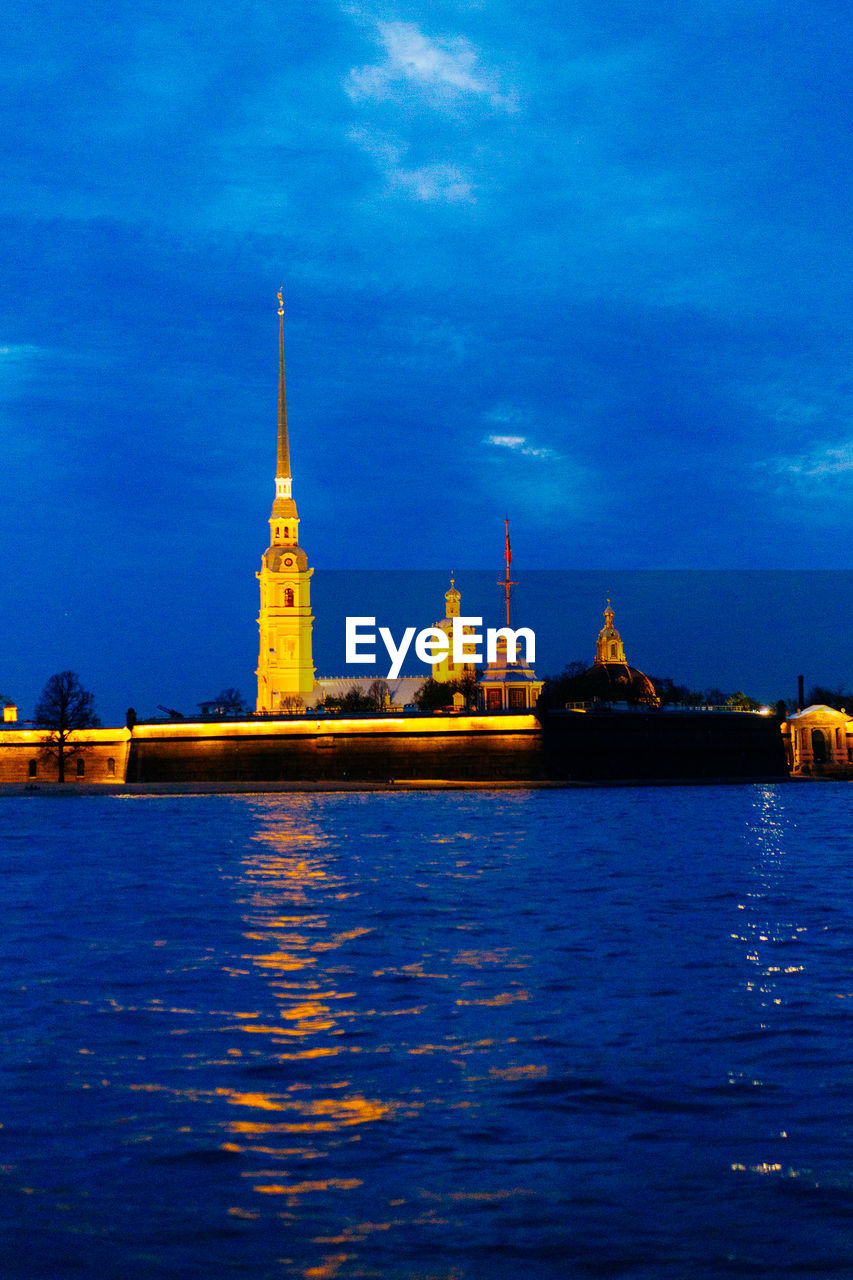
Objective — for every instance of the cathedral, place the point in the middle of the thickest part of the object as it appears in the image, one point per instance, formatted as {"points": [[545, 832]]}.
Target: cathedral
{"points": [[285, 666]]}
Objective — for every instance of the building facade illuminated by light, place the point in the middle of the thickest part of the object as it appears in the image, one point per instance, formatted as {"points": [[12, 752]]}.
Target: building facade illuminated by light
{"points": [[446, 669], [285, 665]]}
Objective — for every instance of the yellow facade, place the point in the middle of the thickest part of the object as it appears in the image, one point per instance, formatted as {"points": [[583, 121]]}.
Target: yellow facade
{"points": [[446, 669], [285, 664]]}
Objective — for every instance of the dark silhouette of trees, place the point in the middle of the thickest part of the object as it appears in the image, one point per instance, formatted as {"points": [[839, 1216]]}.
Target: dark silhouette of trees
{"points": [[561, 689], [820, 695], [437, 695], [63, 709], [230, 702], [434, 695], [354, 700], [380, 695], [569, 687]]}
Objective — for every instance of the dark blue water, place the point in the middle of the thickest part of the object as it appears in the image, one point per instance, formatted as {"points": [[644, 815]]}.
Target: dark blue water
{"points": [[468, 1036]]}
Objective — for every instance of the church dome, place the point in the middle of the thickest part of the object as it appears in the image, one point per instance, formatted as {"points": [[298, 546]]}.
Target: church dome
{"points": [[614, 682], [610, 679]]}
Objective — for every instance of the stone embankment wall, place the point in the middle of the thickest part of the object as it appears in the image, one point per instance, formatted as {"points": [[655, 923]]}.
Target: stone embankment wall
{"points": [[475, 748], [568, 747], [101, 753], [618, 745]]}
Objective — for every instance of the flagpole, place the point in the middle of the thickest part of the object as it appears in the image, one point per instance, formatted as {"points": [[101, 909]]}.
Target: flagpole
{"points": [[507, 584]]}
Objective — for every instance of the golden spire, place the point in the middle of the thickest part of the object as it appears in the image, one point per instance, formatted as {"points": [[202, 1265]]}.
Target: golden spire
{"points": [[283, 506], [283, 462]]}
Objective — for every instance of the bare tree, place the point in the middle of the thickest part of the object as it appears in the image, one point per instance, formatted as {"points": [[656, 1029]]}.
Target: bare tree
{"points": [[380, 695], [64, 708], [231, 702]]}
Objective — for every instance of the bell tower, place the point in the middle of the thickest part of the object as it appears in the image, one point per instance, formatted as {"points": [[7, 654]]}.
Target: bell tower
{"points": [[609, 646], [285, 666]]}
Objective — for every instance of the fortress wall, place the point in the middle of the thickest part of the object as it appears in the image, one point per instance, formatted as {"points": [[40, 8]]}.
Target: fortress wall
{"points": [[19, 747], [377, 749], [569, 746], [662, 744]]}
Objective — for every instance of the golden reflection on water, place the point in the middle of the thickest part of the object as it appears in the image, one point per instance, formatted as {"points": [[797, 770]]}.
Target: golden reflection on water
{"points": [[292, 882]]}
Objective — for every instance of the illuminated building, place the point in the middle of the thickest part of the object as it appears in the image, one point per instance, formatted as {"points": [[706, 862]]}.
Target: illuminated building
{"points": [[285, 666], [819, 741], [610, 679], [446, 669], [508, 686]]}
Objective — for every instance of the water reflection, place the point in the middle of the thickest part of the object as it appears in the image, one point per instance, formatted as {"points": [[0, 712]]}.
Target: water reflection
{"points": [[766, 935], [336, 1037], [345, 927]]}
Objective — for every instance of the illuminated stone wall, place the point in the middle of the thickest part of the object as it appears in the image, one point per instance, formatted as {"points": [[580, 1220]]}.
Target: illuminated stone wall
{"points": [[103, 753], [569, 746], [475, 748]]}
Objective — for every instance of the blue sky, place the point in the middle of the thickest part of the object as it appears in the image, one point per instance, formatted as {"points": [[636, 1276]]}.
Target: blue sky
{"points": [[584, 263]]}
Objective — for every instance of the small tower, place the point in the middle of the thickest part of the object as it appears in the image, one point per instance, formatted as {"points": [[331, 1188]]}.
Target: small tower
{"points": [[285, 666], [610, 679], [609, 646], [447, 670]]}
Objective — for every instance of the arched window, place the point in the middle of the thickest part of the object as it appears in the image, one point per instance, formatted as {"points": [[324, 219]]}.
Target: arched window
{"points": [[32, 769], [287, 531], [111, 767], [613, 651], [818, 746], [288, 597], [81, 766]]}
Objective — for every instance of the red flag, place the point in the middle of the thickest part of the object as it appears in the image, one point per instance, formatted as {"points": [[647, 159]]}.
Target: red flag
{"points": [[508, 550]]}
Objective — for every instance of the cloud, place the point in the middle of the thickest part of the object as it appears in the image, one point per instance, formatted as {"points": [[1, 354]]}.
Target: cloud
{"points": [[443, 71], [520, 444], [819, 465], [435, 93], [431, 183]]}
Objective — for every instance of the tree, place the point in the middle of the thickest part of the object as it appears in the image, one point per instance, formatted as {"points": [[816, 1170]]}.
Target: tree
{"points": [[739, 701], [820, 695], [230, 702], [351, 701], [64, 708], [354, 700], [380, 694], [561, 689], [435, 695], [672, 694]]}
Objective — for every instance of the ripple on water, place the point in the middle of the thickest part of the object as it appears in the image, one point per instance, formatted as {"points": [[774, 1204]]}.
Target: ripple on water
{"points": [[582, 1033]]}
